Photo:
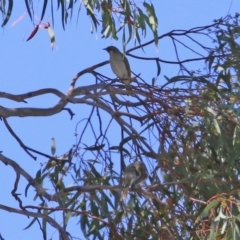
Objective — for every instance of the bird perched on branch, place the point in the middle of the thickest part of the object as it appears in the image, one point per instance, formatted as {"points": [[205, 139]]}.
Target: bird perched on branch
{"points": [[134, 174], [120, 65]]}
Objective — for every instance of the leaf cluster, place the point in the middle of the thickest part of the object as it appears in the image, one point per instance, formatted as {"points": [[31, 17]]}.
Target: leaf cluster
{"points": [[113, 16]]}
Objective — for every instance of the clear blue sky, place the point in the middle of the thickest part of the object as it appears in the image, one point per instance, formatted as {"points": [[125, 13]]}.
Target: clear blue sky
{"points": [[27, 66]]}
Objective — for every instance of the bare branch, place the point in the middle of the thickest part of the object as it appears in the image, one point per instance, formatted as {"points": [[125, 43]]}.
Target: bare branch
{"points": [[63, 234], [23, 173]]}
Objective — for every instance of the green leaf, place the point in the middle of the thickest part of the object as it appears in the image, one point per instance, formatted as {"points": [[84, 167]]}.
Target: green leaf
{"points": [[84, 223], [30, 224], [236, 229], [126, 7], [153, 81], [52, 13], [210, 110], [70, 5], [94, 171], [94, 208], [9, 12], [66, 16], [53, 146], [121, 148], [44, 222], [118, 217], [70, 155], [224, 227], [116, 199], [141, 21], [26, 189], [152, 20], [90, 11], [213, 231], [216, 126], [95, 147], [113, 29], [225, 78], [123, 38], [155, 34], [206, 210], [138, 37], [222, 215], [151, 15], [93, 17], [44, 8], [38, 174], [106, 199], [106, 31], [28, 9], [67, 217], [62, 2], [104, 205], [158, 68], [168, 79], [210, 60]]}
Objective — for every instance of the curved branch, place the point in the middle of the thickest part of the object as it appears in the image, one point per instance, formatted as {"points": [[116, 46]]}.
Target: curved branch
{"points": [[63, 234], [17, 138], [23, 173], [22, 97]]}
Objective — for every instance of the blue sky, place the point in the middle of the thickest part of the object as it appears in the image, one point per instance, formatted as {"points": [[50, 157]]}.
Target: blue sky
{"points": [[32, 65]]}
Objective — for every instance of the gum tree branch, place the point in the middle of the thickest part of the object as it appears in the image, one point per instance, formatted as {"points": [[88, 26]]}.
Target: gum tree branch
{"points": [[63, 234], [41, 191]]}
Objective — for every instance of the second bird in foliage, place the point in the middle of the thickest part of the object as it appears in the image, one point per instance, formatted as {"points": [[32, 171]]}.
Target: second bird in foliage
{"points": [[120, 65], [134, 174]]}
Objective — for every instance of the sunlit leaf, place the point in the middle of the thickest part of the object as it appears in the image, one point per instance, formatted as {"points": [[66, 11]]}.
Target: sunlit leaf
{"points": [[52, 37], [152, 20], [141, 21], [224, 227], [213, 230], [216, 126]]}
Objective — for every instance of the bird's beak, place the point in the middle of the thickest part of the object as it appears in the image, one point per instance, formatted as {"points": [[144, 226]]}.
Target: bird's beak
{"points": [[105, 49]]}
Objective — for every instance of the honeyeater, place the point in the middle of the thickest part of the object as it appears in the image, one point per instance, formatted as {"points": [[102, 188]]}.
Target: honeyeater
{"points": [[134, 174], [120, 65]]}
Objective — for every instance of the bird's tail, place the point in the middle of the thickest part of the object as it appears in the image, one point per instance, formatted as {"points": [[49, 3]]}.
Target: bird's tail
{"points": [[124, 194], [127, 84]]}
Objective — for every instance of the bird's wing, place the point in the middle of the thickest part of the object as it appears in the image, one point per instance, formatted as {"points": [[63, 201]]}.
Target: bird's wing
{"points": [[127, 65]]}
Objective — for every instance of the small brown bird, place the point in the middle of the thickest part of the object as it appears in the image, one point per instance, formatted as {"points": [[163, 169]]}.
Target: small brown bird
{"points": [[120, 65], [134, 174]]}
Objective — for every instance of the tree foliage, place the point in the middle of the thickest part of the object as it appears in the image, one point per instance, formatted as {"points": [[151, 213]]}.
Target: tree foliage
{"points": [[186, 131], [114, 16]]}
